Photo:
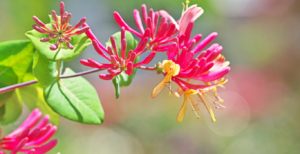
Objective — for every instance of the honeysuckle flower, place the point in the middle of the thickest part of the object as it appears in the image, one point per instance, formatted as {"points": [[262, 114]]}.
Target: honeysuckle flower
{"points": [[208, 66], [31, 136], [61, 30], [118, 63], [160, 32]]}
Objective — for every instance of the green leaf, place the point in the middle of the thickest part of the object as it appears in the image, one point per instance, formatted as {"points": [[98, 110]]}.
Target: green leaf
{"points": [[15, 59], [45, 71], [16, 55], [124, 79], [7, 77], [116, 82], [33, 97], [75, 99], [12, 109], [79, 42]]}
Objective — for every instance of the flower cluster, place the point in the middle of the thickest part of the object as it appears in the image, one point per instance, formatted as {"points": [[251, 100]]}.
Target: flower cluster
{"points": [[61, 29], [118, 63], [188, 58], [30, 136]]}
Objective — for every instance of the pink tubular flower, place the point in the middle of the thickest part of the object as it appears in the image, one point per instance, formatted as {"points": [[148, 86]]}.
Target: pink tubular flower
{"points": [[30, 136], [61, 29], [160, 32], [118, 63]]}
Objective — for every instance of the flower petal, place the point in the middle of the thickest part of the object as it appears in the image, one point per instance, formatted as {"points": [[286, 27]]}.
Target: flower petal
{"points": [[160, 86], [182, 110]]}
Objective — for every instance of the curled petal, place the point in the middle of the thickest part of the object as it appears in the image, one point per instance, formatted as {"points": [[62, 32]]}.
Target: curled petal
{"points": [[191, 14], [169, 17]]}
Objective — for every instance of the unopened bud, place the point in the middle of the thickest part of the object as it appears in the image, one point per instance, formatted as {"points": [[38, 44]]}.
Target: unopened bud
{"points": [[52, 36], [83, 30], [38, 21], [45, 39], [54, 16], [69, 27], [39, 29], [54, 47], [79, 24], [62, 8], [60, 40], [68, 39], [69, 45]]}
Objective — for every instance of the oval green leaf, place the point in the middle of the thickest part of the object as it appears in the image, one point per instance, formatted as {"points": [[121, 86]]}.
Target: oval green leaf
{"points": [[75, 99]]}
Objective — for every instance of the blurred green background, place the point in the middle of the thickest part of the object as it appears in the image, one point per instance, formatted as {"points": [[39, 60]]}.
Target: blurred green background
{"points": [[261, 39]]}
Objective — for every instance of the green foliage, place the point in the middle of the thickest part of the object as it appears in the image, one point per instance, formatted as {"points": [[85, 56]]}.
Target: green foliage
{"points": [[33, 97], [15, 59], [75, 99], [123, 79], [79, 42], [11, 110], [45, 71], [116, 82]]}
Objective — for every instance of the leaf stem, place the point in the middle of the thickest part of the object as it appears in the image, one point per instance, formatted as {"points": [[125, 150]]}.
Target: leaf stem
{"points": [[24, 84], [58, 68]]}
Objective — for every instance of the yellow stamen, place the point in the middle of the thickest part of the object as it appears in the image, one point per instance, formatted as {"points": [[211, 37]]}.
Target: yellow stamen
{"points": [[187, 4], [208, 108], [193, 104]]}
